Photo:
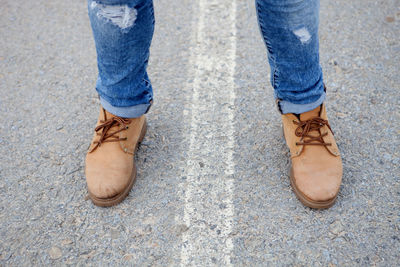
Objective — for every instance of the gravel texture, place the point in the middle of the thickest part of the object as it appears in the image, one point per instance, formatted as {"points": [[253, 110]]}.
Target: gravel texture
{"points": [[49, 108]]}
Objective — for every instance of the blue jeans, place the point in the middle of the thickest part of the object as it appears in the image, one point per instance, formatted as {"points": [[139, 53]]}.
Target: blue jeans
{"points": [[123, 30]]}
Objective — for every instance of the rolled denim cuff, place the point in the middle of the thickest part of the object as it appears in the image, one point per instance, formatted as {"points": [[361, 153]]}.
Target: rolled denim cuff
{"points": [[286, 107], [126, 112]]}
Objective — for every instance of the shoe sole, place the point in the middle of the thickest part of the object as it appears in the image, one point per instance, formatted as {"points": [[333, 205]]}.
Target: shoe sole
{"points": [[108, 202], [307, 201]]}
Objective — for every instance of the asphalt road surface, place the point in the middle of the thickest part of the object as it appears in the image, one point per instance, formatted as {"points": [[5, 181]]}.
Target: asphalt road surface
{"points": [[213, 186]]}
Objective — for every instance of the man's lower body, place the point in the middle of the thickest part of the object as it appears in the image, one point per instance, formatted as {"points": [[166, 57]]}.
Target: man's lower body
{"points": [[123, 30]]}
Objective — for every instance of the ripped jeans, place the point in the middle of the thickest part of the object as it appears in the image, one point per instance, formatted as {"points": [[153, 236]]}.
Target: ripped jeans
{"points": [[123, 30]]}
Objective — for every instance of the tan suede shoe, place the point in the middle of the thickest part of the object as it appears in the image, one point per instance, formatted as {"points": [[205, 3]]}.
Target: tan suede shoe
{"points": [[316, 171], [110, 168]]}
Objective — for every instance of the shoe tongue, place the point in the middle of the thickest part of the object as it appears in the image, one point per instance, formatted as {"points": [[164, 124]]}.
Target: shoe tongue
{"points": [[108, 115], [310, 114]]}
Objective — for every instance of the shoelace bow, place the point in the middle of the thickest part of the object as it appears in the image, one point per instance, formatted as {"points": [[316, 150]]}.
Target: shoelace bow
{"points": [[106, 125], [305, 127]]}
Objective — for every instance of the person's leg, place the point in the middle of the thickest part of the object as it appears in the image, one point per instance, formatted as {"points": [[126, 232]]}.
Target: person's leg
{"points": [[122, 31], [290, 32]]}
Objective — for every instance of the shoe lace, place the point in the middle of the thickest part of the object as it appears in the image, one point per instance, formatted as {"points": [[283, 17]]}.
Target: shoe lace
{"points": [[305, 127], [105, 126]]}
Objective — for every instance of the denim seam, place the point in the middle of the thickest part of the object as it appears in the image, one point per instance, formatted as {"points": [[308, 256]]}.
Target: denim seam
{"points": [[275, 75]]}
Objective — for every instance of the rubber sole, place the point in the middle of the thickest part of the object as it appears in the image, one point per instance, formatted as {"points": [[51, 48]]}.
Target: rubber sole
{"points": [[108, 202], [307, 201]]}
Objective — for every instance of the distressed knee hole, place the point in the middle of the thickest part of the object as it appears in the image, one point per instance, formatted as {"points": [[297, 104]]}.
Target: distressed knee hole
{"points": [[303, 35], [122, 16]]}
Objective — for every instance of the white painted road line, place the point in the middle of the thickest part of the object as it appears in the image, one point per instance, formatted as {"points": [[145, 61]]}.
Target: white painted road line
{"points": [[209, 187]]}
